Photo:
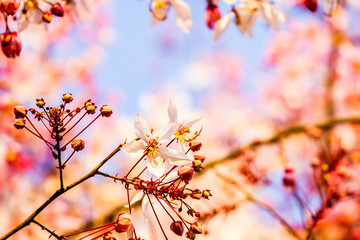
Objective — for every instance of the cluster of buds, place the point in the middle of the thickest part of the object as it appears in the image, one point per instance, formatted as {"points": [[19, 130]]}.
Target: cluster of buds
{"points": [[58, 122], [10, 41]]}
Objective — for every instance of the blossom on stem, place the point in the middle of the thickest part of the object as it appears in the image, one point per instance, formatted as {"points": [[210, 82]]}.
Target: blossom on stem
{"points": [[153, 146]]}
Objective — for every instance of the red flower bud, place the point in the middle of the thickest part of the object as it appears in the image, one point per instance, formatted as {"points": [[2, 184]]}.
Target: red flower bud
{"points": [[195, 145], [199, 157], [312, 5], [212, 14], [78, 144], [10, 44], [289, 180], [186, 173], [57, 10], [19, 123], [47, 17], [106, 111], [123, 223], [20, 111], [196, 228], [177, 227], [67, 97], [10, 6]]}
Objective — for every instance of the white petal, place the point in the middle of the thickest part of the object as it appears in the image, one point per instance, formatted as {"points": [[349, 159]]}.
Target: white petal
{"points": [[141, 128], [273, 14], [144, 207], [130, 232], [156, 165], [182, 15], [222, 24], [171, 176], [172, 112], [165, 134], [248, 19], [138, 196], [190, 123], [135, 148], [175, 157]]}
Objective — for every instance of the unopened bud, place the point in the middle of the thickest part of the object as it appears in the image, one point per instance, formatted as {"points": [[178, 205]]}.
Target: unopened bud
{"points": [[78, 144], [123, 223], [195, 146], [10, 44], [197, 214], [190, 235], [312, 5], [67, 97], [108, 236], [19, 123], [20, 111], [177, 227], [206, 194], [40, 102], [90, 109], [212, 14], [196, 196], [47, 17], [106, 111], [186, 173], [10, 6], [197, 163], [57, 10], [199, 157], [288, 180], [196, 228]]}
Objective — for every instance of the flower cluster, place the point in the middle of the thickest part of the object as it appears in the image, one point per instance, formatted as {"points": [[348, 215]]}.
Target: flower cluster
{"points": [[58, 122]]}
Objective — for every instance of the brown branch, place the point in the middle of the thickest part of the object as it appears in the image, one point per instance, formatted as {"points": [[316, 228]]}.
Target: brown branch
{"points": [[58, 193], [295, 129]]}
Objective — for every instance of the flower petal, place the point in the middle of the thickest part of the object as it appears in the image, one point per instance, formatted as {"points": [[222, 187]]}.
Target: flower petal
{"points": [[156, 165], [190, 123], [165, 134], [175, 157], [141, 128], [135, 148], [182, 15], [138, 196], [230, 2], [172, 112], [222, 24]]}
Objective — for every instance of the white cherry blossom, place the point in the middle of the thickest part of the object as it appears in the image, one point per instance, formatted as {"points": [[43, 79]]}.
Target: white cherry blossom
{"points": [[154, 147]]}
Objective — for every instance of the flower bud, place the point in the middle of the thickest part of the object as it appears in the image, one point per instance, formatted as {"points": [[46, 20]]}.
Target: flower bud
{"points": [[67, 97], [47, 17], [186, 173], [19, 123], [40, 102], [106, 111], [20, 111], [177, 227], [311, 5], [90, 109], [57, 10], [196, 196], [196, 228], [212, 14], [197, 163], [199, 157], [197, 214], [206, 194], [10, 44], [195, 145], [289, 180], [190, 235], [123, 223], [78, 144], [108, 236], [10, 6]]}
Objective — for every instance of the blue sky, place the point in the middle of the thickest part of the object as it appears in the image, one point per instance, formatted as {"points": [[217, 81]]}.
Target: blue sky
{"points": [[138, 60]]}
